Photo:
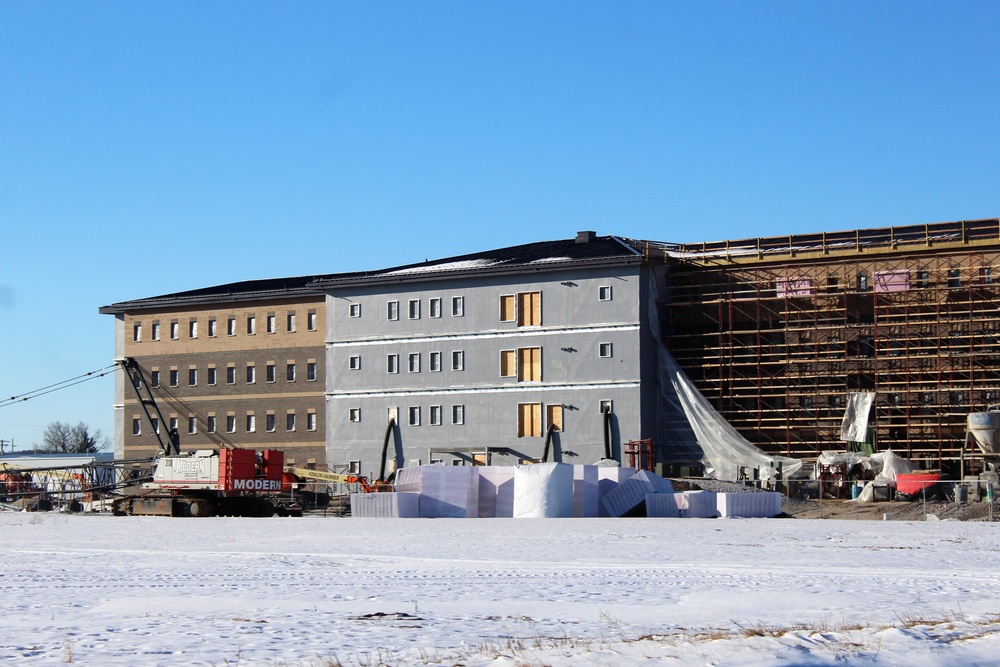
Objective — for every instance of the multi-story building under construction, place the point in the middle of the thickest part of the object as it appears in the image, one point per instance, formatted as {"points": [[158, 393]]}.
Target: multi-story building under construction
{"points": [[776, 332], [495, 356]]}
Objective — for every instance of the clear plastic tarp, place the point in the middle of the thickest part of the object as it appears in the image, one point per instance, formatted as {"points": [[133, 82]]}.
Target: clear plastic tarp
{"points": [[691, 428]]}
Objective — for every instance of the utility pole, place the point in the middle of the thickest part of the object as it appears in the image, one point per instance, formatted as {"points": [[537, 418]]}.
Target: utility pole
{"points": [[3, 443]]}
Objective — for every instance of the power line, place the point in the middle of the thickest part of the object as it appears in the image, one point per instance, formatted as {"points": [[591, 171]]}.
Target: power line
{"points": [[65, 384]]}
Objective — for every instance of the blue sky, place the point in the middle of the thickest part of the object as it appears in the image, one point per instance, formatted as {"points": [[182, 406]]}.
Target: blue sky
{"points": [[152, 147]]}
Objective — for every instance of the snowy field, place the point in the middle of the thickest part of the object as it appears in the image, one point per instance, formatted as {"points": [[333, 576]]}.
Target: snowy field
{"points": [[110, 591]]}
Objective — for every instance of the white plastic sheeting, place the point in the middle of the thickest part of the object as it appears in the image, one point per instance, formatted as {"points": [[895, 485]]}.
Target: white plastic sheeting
{"points": [[445, 491], [629, 496], [543, 490], [496, 491], [697, 504], [748, 505], [385, 505], [854, 428], [586, 491], [692, 428], [662, 505], [608, 479], [885, 465]]}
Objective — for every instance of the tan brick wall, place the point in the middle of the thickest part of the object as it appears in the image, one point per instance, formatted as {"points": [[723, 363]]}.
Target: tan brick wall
{"points": [[302, 346]]}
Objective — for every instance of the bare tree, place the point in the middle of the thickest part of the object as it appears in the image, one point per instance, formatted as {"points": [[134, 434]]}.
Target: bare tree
{"points": [[60, 438]]}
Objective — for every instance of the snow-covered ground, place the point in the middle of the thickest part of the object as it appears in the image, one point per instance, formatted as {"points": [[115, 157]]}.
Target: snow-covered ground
{"points": [[109, 591]]}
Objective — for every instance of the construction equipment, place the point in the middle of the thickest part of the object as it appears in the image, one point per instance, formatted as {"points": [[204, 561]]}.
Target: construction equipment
{"points": [[983, 429], [207, 482], [340, 478]]}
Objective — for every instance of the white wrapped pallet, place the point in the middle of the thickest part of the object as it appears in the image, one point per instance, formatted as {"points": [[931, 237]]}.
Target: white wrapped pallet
{"points": [[496, 491], [697, 504], [749, 505], [586, 496], [543, 490], [662, 505], [445, 491], [629, 497], [608, 478], [385, 505], [408, 479]]}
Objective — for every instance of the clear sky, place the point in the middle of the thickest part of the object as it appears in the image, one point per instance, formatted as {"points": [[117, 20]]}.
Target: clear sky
{"points": [[153, 147]]}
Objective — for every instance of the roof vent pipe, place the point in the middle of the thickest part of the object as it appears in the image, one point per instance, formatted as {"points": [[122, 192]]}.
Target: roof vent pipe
{"points": [[585, 237]]}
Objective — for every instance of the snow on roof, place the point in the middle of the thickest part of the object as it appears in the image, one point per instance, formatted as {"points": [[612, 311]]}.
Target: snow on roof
{"points": [[463, 265]]}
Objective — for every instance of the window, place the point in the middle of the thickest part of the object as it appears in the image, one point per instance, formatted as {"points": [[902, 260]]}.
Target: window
{"points": [[529, 309], [156, 424], [251, 373], [211, 375], [311, 371], [211, 327], [192, 377], [174, 330], [354, 362], [290, 372], [174, 378], [415, 362], [290, 421], [435, 415], [392, 363], [524, 307], [193, 329], [269, 422], [529, 364], [136, 332], [269, 372], [154, 378], [508, 363], [508, 307], [156, 331], [457, 306], [230, 374], [291, 322], [210, 424], [136, 426], [310, 421], [392, 310], [435, 362], [458, 414], [355, 310], [231, 326], [311, 320], [413, 414], [604, 293], [413, 310], [458, 360], [435, 307], [554, 417], [192, 424], [354, 414], [271, 323], [529, 420], [251, 423], [173, 424], [251, 325], [230, 423], [604, 350]]}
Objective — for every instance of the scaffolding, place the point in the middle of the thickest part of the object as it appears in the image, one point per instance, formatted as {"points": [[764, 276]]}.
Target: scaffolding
{"points": [[776, 333]]}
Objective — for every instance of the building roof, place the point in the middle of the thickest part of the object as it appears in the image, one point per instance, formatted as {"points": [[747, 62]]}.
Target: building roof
{"points": [[587, 249]]}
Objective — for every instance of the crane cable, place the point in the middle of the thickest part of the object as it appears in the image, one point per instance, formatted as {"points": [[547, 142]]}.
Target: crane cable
{"points": [[79, 379]]}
